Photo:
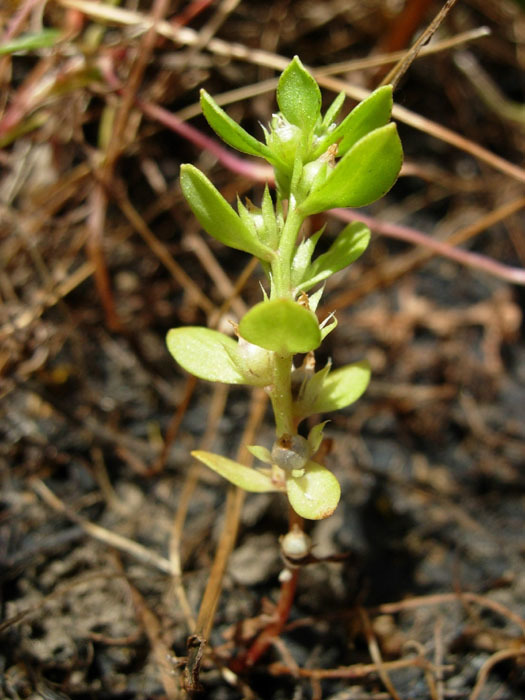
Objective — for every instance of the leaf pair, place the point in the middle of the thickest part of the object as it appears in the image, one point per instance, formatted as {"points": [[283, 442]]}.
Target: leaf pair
{"points": [[314, 495], [365, 173], [299, 100], [280, 325]]}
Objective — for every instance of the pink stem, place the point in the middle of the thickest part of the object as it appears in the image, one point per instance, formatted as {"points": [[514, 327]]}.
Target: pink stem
{"points": [[516, 275]]}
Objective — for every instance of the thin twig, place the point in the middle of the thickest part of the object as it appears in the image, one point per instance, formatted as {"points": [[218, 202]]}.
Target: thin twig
{"points": [[441, 598], [447, 248], [349, 672], [375, 653], [489, 665], [234, 502], [353, 65], [161, 251], [216, 410], [397, 72], [152, 627]]}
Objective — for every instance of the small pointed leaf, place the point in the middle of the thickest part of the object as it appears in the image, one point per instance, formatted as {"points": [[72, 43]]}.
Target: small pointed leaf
{"points": [[315, 436], [328, 326], [237, 474], [372, 113], [298, 96], [261, 453], [206, 353], [314, 495], [333, 110], [269, 219], [231, 132], [349, 245], [303, 255], [315, 298], [281, 325], [364, 174], [342, 387], [216, 216]]}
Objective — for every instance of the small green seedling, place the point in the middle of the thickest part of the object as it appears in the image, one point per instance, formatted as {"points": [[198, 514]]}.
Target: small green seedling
{"points": [[318, 165]]}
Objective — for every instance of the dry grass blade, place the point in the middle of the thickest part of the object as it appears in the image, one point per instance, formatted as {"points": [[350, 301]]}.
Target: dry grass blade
{"points": [[397, 72], [233, 507], [375, 653], [161, 650], [489, 664], [111, 539]]}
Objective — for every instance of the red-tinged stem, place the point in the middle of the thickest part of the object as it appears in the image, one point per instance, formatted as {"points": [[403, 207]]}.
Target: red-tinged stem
{"points": [[264, 640], [266, 637]]}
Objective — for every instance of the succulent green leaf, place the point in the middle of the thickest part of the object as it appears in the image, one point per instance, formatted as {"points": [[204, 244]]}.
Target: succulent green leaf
{"points": [[232, 133], [349, 245], [281, 325], [207, 354], [342, 387], [217, 217], [330, 391], [314, 495], [310, 391], [261, 453], [30, 42], [315, 436], [333, 110], [364, 174], [370, 114], [315, 298], [299, 96], [269, 219], [303, 255], [237, 474]]}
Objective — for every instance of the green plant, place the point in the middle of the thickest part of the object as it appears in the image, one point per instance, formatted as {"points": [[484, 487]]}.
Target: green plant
{"points": [[318, 165]]}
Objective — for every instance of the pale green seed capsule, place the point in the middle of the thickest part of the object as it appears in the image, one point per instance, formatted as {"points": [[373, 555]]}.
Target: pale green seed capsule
{"points": [[291, 452]]}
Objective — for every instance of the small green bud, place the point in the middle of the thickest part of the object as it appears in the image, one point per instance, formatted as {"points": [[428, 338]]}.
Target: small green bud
{"points": [[314, 175], [284, 139]]}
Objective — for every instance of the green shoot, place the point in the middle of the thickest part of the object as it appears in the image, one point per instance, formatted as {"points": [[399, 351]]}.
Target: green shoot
{"points": [[318, 165]]}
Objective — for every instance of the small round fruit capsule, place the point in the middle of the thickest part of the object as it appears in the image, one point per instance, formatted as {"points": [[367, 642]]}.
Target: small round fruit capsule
{"points": [[290, 452], [296, 544]]}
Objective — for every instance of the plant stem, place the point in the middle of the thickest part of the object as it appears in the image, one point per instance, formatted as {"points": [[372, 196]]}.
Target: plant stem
{"points": [[281, 395], [282, 267]]}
